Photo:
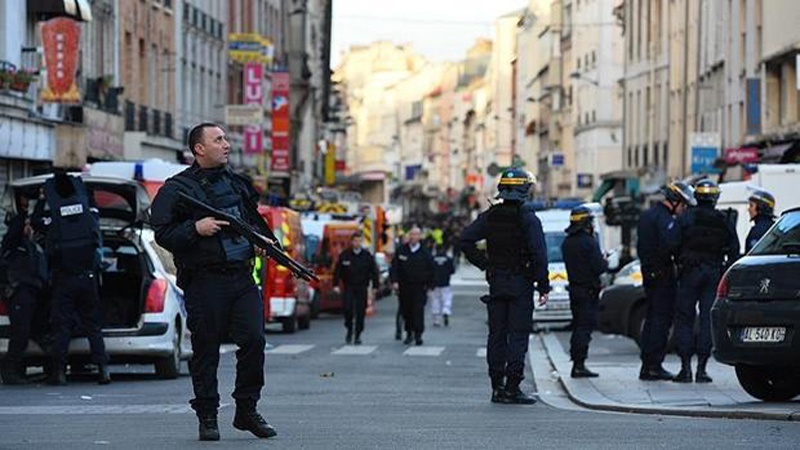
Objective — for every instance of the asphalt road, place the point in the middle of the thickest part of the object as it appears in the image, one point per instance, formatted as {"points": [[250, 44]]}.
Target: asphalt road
{"points": [[319, 398]]}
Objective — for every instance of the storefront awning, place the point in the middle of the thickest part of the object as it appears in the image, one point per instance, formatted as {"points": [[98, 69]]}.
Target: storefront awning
{"points": [[775, 153], [75, 9]]}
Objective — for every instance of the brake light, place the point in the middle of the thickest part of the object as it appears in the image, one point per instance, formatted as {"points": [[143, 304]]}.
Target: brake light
{"points": [[722, 287], [156, 293]]}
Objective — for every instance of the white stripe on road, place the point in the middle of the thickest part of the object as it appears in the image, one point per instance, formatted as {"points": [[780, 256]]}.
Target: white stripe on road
{"points": [[423, 351], [95, 409], [355, 350], [227, 348], [289, 349], [481, 353]]}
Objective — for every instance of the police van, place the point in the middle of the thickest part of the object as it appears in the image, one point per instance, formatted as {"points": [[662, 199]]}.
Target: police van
{"points": [[556, 312]]}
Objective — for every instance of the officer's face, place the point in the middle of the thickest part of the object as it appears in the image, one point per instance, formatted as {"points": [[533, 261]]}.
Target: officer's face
{"points": [[355, 243], [752, 209], [680, 209], [414, 236], [213, 149]]}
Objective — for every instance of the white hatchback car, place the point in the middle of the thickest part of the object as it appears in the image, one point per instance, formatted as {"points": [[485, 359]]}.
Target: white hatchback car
{"points": [[144, 317]]}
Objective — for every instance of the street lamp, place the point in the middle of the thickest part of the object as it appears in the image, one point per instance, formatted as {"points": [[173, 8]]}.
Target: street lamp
{"points": [[578, 76]]}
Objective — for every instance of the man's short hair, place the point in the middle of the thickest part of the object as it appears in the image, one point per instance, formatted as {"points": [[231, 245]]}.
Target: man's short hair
{"points": [[357, 234], [196, 133]]}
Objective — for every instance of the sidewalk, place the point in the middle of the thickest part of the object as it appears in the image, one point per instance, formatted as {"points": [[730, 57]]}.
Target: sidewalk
{"points": [[618, 387]]}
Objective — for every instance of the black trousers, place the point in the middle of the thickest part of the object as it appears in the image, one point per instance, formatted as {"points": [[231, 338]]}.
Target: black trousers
{"points": [[76, 296], [661, 294], [584, 303], [22, 308], [219, 305], [355, 304], [412, 305], [510, 308]]}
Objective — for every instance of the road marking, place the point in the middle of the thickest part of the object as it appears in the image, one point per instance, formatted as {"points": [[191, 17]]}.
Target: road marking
{"points": [[481, 353], [227, 348], [423, 351], [289, 349], [95, 409], [355, 350]]}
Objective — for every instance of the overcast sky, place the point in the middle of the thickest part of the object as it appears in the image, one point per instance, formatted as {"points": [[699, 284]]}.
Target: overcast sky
{"points": [[441, 30]]}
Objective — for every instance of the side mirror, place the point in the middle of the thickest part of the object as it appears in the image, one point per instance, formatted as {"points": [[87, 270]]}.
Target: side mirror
{"points": [[613, 260]]}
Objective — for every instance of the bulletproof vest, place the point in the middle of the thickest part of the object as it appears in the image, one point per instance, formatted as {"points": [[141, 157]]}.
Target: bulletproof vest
{"points": [[706, 236], [505, 242], [73, 237], [224, 197]]}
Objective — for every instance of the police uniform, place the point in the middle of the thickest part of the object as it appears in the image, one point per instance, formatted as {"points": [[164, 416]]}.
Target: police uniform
{"points": [[73, 249], [706, 241], [412, 270], [761, 224], [515, 259], [585, 263], [215, 273], [356, 270], [442, 294]]}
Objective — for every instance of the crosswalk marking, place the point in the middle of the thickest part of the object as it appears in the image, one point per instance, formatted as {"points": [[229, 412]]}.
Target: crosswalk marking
{"points": [[227, 348], [355, 350], [481, 353], [423, 351], [289, 349], [95, 409]]}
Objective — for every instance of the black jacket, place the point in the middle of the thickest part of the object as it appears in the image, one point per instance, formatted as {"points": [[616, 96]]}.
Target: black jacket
{"points": [[584, 260], [761, 224], [443, 267], [412, 268], [23, 261], [356, 270], [656, 240]]}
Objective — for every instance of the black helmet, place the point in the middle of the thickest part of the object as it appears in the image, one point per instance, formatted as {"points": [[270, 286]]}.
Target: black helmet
{"points": [[706, 191], [680, 192], [580, 218], [765, 202], [514, 184]]}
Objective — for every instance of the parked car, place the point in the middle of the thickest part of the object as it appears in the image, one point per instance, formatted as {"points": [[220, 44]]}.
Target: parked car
{"points": [[622, 307], [756, 317], [144, 314]]}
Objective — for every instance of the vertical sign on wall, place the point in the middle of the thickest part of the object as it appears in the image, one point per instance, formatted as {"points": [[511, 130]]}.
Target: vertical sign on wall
{"points": [[60, 39], [280, 122], [254, 95], [753, 106]]}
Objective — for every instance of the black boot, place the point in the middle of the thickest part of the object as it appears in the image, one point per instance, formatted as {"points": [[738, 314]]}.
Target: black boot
{"points": [[409, 339], [685, 375], [579, 370], [655, 372], [349, 338], [418, 338], [58, 378], [208, 430], [103, 375], [358, 339], [446, 320], [514, 394], [702, 376], [251, 420]]}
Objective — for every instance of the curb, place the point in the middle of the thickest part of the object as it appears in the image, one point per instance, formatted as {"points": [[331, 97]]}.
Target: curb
{"points": [[586, 395]]}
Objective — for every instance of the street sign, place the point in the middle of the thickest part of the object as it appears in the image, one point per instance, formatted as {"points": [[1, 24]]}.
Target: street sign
{"points": [[244, 114], [704, 151], [585, 180], [557, 159]]}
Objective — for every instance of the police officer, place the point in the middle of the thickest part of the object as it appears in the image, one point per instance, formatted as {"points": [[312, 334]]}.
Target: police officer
{"points": [[356, 268], [760, 207], [214, 269], [411, 273], [655, 247], [707, 242], [73, 250], [515, 263], [585, 264], [26, 271]]}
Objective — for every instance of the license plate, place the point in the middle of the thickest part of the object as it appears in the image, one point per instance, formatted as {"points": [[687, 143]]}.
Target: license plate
{"points": [[763, 334]]}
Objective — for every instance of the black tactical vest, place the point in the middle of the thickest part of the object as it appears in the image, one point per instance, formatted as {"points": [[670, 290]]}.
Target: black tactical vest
{"points": [[73, 237], [506, 243], [707, 235], [224, 197]]}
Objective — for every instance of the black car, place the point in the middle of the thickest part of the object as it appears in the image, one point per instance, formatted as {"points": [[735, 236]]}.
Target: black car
{"points": [[622, 304], [756, 315]]}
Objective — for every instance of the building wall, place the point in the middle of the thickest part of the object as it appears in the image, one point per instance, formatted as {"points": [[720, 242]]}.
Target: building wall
{"points": [[781, 40]]}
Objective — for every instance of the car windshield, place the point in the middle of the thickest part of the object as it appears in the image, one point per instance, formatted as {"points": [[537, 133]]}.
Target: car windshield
{"points": [[554, 239], [783, 238]]}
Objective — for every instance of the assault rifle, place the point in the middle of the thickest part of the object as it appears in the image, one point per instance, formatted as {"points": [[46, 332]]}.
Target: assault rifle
{"points": [[255, 238]]}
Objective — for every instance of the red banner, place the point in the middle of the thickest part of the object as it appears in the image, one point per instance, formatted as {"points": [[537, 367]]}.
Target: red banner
{"points": [[61, 38], [253, 95], [280, 122], [743, 155]]}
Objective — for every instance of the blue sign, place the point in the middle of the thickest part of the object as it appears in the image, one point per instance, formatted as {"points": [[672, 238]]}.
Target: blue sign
{"points": [[703, 159], [557, 159], [412, 171], [753, 106], [585, 180]]}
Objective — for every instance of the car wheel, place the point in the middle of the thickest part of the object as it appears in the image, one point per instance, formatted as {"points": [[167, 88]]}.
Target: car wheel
{"points": [[170, 367], [771, 384], [289, 324], [304, 322], [636, 323]]}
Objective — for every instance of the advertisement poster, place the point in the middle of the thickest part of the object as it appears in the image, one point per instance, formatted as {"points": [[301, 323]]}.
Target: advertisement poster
{"points": [[280, 122], [254, 95], [60, 39]]}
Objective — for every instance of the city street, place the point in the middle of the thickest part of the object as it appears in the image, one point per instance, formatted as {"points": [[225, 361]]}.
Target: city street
{"points": [[322, 394]]}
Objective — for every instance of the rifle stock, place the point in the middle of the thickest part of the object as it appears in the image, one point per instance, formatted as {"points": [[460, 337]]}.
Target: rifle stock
{"points": [[247, 232]]}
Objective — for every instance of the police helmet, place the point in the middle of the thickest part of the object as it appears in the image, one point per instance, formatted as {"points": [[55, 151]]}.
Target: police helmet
{"points": [[706, 191], [580, 218], [514, 184], [680, 192], [765, 202]]}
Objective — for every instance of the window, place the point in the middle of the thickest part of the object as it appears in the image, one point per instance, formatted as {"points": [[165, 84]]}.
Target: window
{"points": [[586, 61], [594, 116], [578, 63], [655, 155], [594, 58], [645, 155], [630, 157]]}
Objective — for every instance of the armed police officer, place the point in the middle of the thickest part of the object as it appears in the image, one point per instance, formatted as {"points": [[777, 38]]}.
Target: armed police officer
{"points": [[761, 208], [411, 273], [516, 264], [356, 268], [214, 269], [707, 242], [585, 263], [655, 247]]}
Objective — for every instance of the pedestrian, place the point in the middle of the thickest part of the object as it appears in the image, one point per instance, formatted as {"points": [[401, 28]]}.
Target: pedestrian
{"points": [[585, 263], [760, 207], [412, 276], [442, 294], [215, 272], [516, 264], [655, 247], [73, 253], [706, 243], [25, 277], [355, 268]]}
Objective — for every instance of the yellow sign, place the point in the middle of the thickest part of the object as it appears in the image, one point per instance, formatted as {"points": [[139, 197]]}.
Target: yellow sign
{"points": [[250, 47], [330, 165]]}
